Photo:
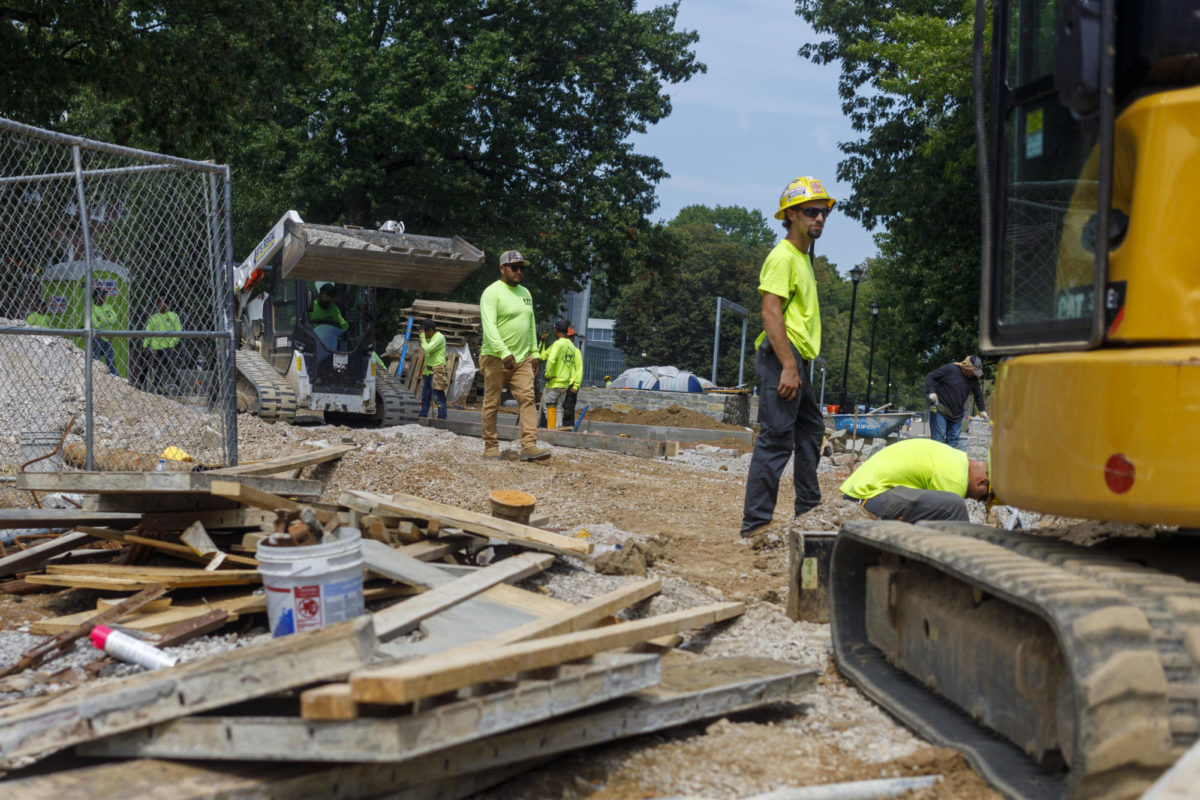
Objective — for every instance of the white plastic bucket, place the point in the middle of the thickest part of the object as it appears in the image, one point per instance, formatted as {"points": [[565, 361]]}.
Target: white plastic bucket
{"points": [[314, 586], [35, 444]]}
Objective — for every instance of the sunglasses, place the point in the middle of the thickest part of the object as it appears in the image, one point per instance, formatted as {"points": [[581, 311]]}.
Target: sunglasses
{"points": [[515, 266], [812, 212]]}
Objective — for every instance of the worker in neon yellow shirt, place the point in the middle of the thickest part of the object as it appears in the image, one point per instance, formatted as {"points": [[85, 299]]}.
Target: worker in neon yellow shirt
{"points": [[560, 369], [508, 356], [788, 416], [572, 395], [160, 351], [918, 479], [38, 318], [433, 376]]}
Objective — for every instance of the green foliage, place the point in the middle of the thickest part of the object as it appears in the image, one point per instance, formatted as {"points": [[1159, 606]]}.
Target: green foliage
{"points": [[506, 122], [906, 86], [670, 318]]}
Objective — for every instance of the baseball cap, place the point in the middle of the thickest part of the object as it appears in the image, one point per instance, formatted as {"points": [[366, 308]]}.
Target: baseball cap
{"points": [[428, 324], [562, 326], [513, 257], [973, 363]]}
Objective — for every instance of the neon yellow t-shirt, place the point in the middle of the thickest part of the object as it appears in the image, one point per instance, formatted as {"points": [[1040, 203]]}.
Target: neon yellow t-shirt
{"points": [[168, 321], [789, 274], [435, 351], [508, 325], [915, 463], [38, 320], [560, 364]]}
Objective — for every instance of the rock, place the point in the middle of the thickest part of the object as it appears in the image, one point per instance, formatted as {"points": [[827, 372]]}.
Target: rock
{"points": [[632, 559]]}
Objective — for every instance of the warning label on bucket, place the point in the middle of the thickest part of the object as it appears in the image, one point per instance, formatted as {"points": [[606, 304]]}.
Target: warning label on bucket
{"points": [[308, 607]]}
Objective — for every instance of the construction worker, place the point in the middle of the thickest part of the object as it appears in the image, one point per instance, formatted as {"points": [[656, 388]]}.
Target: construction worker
{"points": [[918, 479], [508, 356], [560, 369], [104, 317], [947, 388], [607, 381], [38, 318], [160, 350], [788, 416], [326, 312], [572, 395], [434, 380]]}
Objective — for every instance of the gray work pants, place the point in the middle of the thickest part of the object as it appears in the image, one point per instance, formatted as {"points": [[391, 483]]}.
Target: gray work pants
{"points": [[785, 427], [912, 505]]}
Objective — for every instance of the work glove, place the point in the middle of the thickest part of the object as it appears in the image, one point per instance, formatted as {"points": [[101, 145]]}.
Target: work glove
{"points": [[983, 415], [933, 398]]}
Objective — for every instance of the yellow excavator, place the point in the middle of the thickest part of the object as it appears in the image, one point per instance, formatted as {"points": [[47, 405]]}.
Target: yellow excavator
{"points": [[1063, 671]]}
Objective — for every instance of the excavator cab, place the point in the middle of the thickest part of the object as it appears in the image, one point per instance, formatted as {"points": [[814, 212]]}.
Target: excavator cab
{"points": [[1088, 260]]}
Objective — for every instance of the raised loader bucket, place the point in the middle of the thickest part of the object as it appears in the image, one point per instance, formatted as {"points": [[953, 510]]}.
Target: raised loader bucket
{"points": [[377, 258]]}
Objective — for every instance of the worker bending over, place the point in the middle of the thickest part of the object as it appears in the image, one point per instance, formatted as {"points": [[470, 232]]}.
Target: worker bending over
{"points": [[918, 479], [948, 387]]}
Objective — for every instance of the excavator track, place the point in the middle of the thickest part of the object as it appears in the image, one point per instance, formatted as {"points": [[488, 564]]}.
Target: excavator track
{"points": [[261, 390], [979, 638]]}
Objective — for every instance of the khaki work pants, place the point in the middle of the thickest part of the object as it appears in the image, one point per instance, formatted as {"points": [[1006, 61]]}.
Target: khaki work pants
{"points": [[520, 382]]}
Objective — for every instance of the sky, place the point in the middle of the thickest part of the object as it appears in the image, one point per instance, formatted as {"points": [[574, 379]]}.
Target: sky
{"points": [[759, 117]]}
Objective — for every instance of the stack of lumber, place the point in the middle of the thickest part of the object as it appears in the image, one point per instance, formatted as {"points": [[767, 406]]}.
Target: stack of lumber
{"points": [[500, 680], [460, 323]]}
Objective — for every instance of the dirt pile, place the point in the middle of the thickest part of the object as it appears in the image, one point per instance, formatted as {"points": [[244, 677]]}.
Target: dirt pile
{"points": [[42, 386]]}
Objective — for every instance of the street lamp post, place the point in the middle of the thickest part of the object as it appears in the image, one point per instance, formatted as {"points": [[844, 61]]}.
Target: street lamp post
{"points": [[871, 358], [856, 275], [887, 397]]}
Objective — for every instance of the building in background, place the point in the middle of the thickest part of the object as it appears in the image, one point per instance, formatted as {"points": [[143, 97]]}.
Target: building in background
{"points": [[595, 338]]}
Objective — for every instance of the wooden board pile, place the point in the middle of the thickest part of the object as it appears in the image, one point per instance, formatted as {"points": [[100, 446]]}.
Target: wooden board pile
{"points": [[460, 323], [461, 684]]}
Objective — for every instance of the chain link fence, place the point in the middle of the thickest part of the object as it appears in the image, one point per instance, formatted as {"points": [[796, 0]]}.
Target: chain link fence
{"points": [[116, 307]]}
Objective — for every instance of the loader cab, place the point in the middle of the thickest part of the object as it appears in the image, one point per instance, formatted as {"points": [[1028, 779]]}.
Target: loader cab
{"points": [[335, 334]]}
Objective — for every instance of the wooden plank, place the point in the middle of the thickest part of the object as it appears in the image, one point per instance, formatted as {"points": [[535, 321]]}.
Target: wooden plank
{"points": [[435, 549], [93, 711], [34, 556], [426, 677], [235, 604], [402, 737], [125, 578], [689, 693], [582, 616], [159, 482], [214, 520], [403, 617], [63, 518], [406, 505], [332, 701], [272, 466], [183, 551]]}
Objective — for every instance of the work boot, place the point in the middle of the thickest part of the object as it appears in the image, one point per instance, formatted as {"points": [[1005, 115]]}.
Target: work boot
{"points": [[535, 453], [491, 452]]}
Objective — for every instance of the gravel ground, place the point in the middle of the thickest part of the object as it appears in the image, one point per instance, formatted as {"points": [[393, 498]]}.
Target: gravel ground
{"points": [[686, 510]]}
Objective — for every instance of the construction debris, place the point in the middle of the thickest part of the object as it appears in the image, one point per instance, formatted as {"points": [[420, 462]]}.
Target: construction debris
{"points": [[488, 684]]}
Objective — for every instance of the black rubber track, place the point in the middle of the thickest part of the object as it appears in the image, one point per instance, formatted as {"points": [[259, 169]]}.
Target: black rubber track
{"points": [[1120, 628]]}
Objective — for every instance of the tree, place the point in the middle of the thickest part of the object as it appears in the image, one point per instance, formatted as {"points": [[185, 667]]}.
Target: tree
{"points": [[503, 121], [906, 85], [670, 318]]}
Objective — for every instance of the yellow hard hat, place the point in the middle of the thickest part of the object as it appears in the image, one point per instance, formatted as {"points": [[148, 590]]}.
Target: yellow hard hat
{"points": [[801, 190]]}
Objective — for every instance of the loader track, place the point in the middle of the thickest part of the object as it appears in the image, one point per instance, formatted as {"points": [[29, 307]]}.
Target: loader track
{"points": [[1128, 635], [395, 404], [262, 391]]}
